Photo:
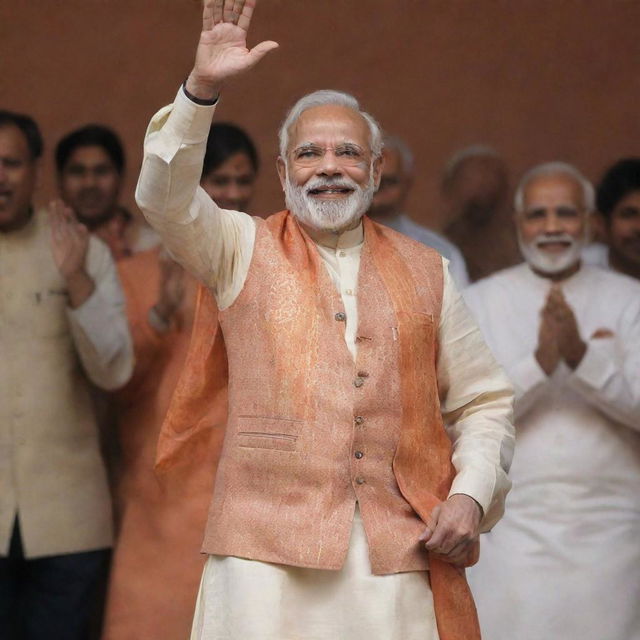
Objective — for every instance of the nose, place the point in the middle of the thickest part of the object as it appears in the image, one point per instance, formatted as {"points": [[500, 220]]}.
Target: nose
{"points": [[329, 165], [552, 222]]}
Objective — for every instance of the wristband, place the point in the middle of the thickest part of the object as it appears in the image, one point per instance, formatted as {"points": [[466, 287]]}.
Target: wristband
{"points": [[199, 101]]}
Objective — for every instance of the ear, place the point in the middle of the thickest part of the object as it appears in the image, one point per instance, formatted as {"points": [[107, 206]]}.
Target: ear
{"points": [[378, 165], [282, 171]]}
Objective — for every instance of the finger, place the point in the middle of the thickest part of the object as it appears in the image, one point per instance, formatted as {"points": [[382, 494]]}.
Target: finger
{"points": [[218, 6], [237, 10], [245, 15], [260, 50], [227, 11], [207, 15]]}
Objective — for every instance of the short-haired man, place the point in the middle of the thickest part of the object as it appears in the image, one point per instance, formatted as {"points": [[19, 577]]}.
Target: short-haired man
{"points": [[475, 190], [564, 561], [389, 201], [90, 165], [618, 203], [334, 442], [62, 327], [165, 519]]}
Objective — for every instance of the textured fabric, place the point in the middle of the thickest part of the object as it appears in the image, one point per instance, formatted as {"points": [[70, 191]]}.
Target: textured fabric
{"points": [[457, 266], [51, 470], [160, 518], [290, 603], [563, 561]]}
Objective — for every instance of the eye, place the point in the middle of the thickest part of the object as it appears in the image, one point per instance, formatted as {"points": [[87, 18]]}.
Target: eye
{"points": [[535, 214], [307, 152], [348, 151], [567, 212]]}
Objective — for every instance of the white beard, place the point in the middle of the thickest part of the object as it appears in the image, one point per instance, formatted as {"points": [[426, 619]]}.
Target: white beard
{"points": [[551, 264], [328, 215]]}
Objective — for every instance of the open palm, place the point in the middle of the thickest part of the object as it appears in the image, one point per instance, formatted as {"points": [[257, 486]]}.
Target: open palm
{"points": [[222, 50]]}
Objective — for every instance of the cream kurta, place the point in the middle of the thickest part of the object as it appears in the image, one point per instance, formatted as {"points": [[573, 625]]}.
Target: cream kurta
{"points": [[217, 246], [51, 470], [565, 560]]}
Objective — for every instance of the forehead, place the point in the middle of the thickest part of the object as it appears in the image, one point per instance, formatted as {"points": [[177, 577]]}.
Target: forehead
{"points": [[329, 125], [13, 143], [89, 156], [630, 201], [553, 190], [238, 163]]}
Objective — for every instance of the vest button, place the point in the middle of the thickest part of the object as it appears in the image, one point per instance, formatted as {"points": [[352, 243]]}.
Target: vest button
{"points": [[358, 454], [340, 316], [360, 480], [358, 382], [358, 420]]}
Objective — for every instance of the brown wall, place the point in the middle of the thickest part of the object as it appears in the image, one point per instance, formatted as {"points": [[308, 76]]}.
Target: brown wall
{"points": [[537, 79]]}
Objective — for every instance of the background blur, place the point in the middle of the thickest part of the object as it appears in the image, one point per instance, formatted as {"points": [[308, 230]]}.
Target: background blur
{"points": [[536, 79]]}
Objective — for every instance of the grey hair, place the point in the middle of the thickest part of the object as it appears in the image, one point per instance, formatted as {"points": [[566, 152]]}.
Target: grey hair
{"points": [[460, 156], [327, 97], [552, 169], [406, 155]]}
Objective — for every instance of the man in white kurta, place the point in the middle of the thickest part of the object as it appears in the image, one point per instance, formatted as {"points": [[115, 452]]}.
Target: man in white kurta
{"points": [[565, 560], [251, 599]]}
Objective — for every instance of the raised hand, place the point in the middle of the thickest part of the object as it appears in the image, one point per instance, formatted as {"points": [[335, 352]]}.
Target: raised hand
{"points": [[222, 51], [69, 246]]}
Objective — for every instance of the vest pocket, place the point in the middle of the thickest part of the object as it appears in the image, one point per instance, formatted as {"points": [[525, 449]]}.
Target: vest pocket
{"points": [[263, 432]]}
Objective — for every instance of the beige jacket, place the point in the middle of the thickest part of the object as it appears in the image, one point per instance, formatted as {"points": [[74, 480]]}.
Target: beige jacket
{"points": [[51, 471]]}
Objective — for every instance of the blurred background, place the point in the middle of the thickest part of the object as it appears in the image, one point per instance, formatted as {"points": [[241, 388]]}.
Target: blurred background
{"points": [[536, 79]]}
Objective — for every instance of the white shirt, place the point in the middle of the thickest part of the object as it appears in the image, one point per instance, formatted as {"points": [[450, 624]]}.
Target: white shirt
{"points": [[565, 560]]}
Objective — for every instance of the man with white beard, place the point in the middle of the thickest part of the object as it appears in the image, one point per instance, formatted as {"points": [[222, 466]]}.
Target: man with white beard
{"points": [[565, 560], [337, 470]]}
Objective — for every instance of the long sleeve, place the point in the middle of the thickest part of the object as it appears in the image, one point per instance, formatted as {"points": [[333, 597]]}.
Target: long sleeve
{"points": [[476, 400], [212, 243], [99, 325], [609, 375]]}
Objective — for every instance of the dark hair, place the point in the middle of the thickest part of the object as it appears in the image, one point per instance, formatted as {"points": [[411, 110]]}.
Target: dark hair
{"points": [[29, 129], [224, 141], [618, 181], [93, 135]]}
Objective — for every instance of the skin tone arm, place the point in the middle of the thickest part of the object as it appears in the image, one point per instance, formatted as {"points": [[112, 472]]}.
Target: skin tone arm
{"points": [[222, 51], [69, 245]]}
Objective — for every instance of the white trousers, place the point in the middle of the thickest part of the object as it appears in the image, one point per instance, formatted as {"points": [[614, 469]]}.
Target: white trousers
{"points": [[248, 600]]}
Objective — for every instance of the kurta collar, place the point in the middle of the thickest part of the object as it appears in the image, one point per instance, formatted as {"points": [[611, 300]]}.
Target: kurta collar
{"points": [[345, 240]]}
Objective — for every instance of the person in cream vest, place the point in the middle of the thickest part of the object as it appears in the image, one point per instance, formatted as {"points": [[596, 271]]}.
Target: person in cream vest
{"points": [[62, 327], [369, 428]]}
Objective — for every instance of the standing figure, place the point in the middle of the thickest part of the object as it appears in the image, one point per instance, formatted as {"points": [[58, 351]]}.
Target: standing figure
{"points": [[346, 342], [475, 188], [563, 562], [164, 517], [388, 206], [62, 328]]}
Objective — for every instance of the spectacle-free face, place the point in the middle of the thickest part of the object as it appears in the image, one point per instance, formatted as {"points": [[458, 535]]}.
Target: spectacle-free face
{"points": [[394, 187], [18, 178], [90, 184], [623, 228], [232, 184]]}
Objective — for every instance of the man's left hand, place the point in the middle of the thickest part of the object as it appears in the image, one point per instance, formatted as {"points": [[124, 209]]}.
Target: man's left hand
{"points": [[452, 528], [572, 346]]}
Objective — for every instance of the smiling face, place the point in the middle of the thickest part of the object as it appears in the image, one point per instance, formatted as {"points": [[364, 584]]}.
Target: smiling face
{"points": [[329, 174], [231, 185], [18, 177], [553, 225], [623, 233], [90, 184]]}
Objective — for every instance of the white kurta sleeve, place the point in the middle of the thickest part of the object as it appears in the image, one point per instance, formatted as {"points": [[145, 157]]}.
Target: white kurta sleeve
{"points": [[476, 400], [99, 325], [608, 377], [213, 243]]}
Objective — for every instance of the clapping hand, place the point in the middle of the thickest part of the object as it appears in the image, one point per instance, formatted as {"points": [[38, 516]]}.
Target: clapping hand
{"points": [[222, 51], [69, 246]]}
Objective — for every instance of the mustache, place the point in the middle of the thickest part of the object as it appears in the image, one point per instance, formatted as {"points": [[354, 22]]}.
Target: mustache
{"points": [[320, 181], [90, 192], [544, 238]]}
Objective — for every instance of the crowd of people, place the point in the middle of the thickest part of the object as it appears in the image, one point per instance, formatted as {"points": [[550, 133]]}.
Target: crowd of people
{"points": [[129, 355]]}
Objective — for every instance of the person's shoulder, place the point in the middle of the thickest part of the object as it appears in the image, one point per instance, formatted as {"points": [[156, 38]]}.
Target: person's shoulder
{"points": [[503, 279], [612, 283]]}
